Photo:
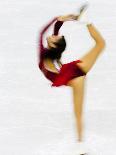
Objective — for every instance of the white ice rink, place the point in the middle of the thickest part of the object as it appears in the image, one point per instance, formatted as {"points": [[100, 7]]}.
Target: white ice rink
{"points": [[36, 119]]}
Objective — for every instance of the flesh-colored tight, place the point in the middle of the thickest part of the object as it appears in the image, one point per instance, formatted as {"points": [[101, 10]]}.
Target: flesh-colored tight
{"points": [[78, 84]]}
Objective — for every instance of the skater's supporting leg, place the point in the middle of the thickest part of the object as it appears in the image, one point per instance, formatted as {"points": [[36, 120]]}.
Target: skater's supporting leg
{"points": [[77, 85]]}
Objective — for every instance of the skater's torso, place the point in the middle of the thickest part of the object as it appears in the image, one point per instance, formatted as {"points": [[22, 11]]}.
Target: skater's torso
{"points": [[49, 65]]}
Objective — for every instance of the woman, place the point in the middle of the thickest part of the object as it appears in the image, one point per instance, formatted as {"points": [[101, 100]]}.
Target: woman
{"points": [[56, 46], [71, 74]]}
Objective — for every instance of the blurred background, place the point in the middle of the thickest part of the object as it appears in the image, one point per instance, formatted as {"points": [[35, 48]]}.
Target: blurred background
{"points": [[36, 119]]}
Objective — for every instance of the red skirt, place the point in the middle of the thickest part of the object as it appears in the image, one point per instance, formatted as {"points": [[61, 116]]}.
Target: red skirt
{"points": [[67, 72]]}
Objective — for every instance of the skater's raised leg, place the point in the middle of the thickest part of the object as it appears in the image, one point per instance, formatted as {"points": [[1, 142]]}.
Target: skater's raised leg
{"points": [[90, 58]]}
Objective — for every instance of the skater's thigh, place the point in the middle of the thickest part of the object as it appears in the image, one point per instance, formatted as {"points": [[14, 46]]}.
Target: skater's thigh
{"points": [[76, 82], [89, 59]]}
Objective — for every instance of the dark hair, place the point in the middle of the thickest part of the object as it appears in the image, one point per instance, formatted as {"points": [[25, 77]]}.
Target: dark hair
{"points": [[55, 53]]}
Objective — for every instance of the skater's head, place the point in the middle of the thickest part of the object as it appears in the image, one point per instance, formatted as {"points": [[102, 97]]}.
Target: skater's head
{"points": [[56, 44]]}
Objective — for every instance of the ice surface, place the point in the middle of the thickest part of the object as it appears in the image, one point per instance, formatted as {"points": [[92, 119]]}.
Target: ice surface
{"points": [[36, 119]]}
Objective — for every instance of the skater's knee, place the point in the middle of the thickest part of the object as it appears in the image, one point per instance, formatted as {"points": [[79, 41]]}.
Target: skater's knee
{"points": [[100, 44]]}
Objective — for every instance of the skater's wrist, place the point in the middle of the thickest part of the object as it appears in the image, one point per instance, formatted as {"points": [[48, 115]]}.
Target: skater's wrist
{"points": [[69, 17], [60, 18]]}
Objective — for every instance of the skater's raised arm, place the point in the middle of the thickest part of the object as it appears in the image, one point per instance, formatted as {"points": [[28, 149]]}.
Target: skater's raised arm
{"points": [[42, 33], [61, 20], [57, 26], [100, 42]]}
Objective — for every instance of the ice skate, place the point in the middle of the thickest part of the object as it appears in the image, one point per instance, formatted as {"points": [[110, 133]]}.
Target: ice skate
{"points": [[82, 9]]}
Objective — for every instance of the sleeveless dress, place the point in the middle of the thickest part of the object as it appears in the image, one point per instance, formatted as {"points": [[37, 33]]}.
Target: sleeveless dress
{"points": [[67, 72]]}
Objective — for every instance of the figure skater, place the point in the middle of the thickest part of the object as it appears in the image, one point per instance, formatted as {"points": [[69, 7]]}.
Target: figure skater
{"points": [[70, 74]]}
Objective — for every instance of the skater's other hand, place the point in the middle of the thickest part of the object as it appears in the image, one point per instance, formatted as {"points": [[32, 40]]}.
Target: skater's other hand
{"points": [[69, 17]]}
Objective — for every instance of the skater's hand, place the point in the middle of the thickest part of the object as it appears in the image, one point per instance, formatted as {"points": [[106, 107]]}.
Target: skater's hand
{"points": [[69, 17]]}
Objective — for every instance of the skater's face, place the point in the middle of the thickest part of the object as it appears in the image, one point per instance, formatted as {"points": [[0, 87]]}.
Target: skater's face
{"points": [[51, 40]]}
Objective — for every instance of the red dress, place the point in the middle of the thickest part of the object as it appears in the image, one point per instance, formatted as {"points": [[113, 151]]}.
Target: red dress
{"points": [[67, 72]]}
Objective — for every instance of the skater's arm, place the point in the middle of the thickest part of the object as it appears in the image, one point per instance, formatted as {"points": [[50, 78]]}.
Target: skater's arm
{"points": [[100, 42], [57, 27], [42, 33], [61, 20]]}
